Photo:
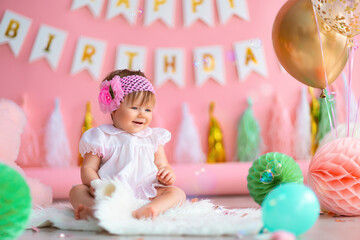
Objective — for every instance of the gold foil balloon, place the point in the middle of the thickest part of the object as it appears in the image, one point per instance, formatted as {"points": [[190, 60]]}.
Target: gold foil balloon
{"points": [[216, 151], [342, 16], [88, 123], [297, 45]]}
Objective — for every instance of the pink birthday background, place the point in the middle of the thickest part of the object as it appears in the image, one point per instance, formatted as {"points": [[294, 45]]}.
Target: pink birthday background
{"points": [[41, 84]]}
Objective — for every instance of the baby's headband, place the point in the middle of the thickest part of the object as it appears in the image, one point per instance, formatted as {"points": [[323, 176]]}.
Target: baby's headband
{"points": [[113, 92]]}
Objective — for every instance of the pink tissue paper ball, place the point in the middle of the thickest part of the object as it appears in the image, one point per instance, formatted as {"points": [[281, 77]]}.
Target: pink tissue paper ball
{"points": [[334, 175]]}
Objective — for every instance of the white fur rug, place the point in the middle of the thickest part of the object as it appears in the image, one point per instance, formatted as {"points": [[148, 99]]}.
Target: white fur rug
{"points": [[115, 203]]}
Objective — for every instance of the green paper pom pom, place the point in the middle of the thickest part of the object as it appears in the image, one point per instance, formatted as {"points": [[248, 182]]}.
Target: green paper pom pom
{"points": [[15, 203], [270, 170]]}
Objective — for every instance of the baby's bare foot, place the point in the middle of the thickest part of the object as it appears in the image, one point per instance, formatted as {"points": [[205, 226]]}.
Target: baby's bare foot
{"points": [[145, 212], [83, 212]]}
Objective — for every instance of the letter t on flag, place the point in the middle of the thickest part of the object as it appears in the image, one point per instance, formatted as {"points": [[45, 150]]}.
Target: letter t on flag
{"points": [[130, 57]]}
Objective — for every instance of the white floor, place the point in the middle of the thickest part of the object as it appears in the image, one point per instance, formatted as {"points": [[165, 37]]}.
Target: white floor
{"points": [[327, 227]]}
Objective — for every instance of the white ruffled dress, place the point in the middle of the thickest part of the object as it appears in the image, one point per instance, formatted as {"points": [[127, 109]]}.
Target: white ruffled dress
{"points": [[128, 157]]}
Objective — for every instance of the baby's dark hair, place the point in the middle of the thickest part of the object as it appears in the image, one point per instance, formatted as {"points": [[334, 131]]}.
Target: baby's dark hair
{"points": [[146, 96]]}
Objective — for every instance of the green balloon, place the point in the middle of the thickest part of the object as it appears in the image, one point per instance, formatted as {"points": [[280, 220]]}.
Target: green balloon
{"points": [[270, 170], [15, 203]]}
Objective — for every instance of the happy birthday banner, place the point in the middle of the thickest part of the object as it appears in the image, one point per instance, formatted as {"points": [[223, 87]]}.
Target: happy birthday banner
{"points": [[164, 10], [169, 62]]}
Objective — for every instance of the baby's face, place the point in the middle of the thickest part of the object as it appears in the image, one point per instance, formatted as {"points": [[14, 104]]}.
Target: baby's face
{"points": [[133, 117]]}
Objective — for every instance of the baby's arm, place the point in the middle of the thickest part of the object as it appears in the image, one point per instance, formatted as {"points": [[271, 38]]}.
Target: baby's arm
{"points": [[165, 174], [89, 169]]}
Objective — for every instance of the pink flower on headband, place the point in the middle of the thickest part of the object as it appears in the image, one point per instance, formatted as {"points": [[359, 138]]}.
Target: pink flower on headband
{"points": [[110, 95], [113, 92]]}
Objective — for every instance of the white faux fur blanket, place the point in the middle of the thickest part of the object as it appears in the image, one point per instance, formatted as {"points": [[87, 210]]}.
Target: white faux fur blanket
{"points": [[114, 205]]}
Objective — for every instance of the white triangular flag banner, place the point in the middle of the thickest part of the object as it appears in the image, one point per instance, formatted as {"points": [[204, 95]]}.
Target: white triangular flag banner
{"points": [[169, 65], [209, 63], [13, 30], [250, 57], [127, 8], [89, 55], [95, 6], [130, 57], [226, 9], [198, 9], [188, 148], [49, 44], [160, 9], [56, 142]]}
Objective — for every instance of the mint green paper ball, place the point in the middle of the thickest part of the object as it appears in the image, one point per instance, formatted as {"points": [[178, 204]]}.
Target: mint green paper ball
{"points": [[15, 203], [270, 170]]}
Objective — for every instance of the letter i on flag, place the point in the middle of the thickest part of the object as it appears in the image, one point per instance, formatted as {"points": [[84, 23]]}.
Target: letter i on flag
{"points": [[13, 30], [49, 44], [250, 57], [89, 55]]}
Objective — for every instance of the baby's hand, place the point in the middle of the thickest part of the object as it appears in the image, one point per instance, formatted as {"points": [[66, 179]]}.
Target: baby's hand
{"points": [[166, 175], [93, 185], [92, 191]]}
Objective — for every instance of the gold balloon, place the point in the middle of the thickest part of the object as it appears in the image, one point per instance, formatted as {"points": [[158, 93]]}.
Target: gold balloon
{"points": [[297, 45], [216, 151], [342, 16], [88, 123]]}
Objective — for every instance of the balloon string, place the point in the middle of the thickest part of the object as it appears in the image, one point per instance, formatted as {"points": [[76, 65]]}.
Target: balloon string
{"points": [[326, 80], [356, 117], [358, 105], [350, 65]]}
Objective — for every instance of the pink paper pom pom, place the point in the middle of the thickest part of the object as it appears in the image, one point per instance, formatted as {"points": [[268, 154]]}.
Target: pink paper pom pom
{"points": [[334, 175]]}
